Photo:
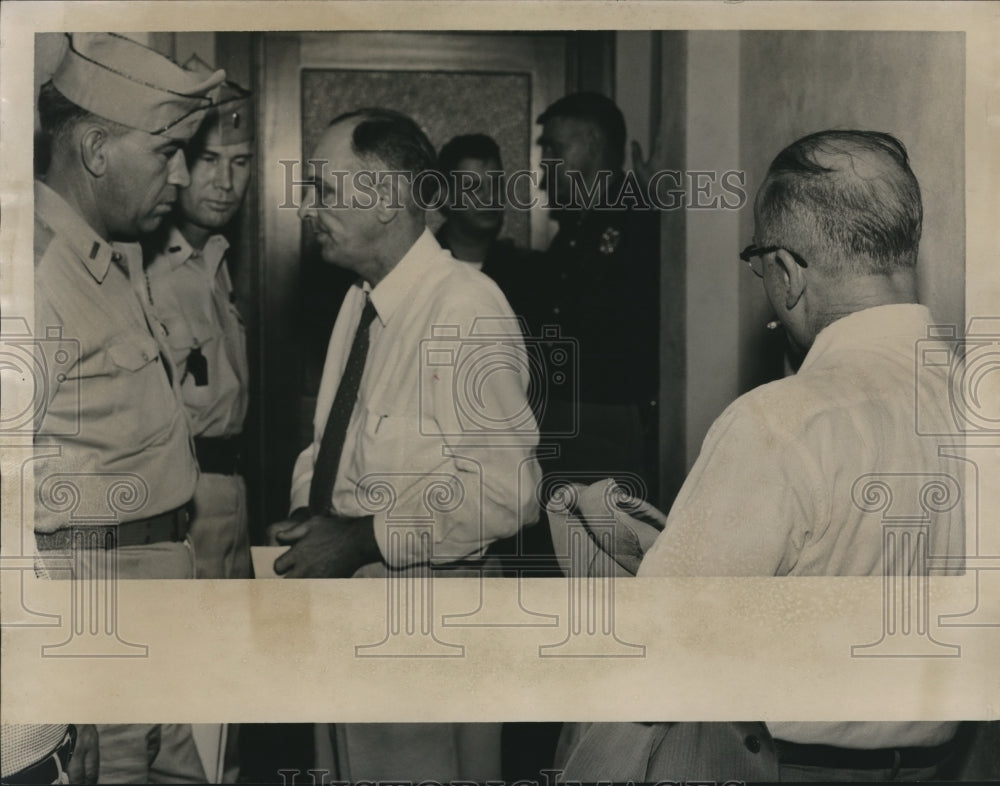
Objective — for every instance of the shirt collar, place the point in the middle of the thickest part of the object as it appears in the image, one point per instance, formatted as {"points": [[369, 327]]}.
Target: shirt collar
{"points": [[399, 284], [178, 251], [96, 253], [861, 328]]}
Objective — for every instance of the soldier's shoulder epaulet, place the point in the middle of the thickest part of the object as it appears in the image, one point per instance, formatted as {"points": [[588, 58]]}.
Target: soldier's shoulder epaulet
{"points": [[43, 239]]}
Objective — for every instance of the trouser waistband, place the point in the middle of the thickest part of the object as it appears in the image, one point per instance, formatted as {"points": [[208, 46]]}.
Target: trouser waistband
{"points": [[832, 757], [165, 527]]}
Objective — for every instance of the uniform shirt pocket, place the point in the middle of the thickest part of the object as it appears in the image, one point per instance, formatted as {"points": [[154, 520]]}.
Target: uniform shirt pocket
{"points": [[141, 403], [133, 353]]}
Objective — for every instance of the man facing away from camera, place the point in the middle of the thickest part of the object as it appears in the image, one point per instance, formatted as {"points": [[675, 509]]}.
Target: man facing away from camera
{"points": [[399, 436], [117, 116], [192, 291], [837, 225]]}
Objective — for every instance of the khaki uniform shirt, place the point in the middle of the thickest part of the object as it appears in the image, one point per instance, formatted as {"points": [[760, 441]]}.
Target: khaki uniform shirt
{"points": [[121, 447], [193, 294]]}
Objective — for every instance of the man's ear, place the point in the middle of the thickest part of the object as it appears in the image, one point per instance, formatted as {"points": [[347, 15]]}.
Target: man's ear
{"points": [[793, 277], [93, 149], [390, 200]]}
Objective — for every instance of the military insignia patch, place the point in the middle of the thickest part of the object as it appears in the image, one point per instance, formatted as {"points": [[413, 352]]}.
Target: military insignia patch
{"points": [[609, 240]]}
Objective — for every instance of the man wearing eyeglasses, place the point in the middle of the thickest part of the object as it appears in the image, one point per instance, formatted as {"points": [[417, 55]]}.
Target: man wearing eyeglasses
{"points": [[837, 226]]}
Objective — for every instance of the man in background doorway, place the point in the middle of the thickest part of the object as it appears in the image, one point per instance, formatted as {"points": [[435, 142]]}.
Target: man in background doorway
{"points": [[599, 283], [473, 169]]}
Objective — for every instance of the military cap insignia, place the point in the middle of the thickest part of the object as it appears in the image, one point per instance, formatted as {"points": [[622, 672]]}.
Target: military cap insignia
{"points": [[609, 240]]}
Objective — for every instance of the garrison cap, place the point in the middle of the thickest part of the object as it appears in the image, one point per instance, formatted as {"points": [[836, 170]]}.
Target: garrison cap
{"points": [[121, 80], [231, 115]]}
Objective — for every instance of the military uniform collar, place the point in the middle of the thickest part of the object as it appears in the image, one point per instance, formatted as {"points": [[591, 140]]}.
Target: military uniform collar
{"points": [[399, 284], [178, 251], [96, 253]]}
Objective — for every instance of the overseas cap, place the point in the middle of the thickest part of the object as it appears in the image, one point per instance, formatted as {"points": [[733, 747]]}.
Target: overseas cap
{"points": [[231, 115], [122, 80]]}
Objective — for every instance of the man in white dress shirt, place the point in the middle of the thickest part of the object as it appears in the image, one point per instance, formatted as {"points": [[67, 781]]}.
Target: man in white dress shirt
{"points": [[395, 420], [838, 221]]}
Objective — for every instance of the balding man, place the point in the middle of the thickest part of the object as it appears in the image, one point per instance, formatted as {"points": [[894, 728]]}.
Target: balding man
{"points": [[117, 116], [837, 226], [406, 430]]}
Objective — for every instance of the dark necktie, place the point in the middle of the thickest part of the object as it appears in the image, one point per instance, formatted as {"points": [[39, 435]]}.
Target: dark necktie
{"points": [[332, 444]]}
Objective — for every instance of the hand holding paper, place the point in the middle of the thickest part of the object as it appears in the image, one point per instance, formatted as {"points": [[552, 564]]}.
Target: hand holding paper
{"points": [[605, 504]]}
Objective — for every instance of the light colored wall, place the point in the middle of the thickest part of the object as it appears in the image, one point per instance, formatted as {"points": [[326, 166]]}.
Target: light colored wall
{"points": [[713, 236]]}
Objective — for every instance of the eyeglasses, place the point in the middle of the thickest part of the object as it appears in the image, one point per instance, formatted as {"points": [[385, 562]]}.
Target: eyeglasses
{"points": [[755, 252]]}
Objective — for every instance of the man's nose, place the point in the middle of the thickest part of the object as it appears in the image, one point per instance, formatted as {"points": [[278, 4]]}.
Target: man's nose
{"points": [[178, 174], [223, 176]]}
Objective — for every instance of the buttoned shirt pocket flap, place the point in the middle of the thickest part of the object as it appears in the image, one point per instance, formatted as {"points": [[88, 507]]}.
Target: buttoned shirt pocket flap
{"points": [[133, 353]]}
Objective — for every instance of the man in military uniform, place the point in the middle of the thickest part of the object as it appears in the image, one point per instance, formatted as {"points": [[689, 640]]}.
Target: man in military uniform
{"points": [[193, 295], [600, 284], [116, 116]]}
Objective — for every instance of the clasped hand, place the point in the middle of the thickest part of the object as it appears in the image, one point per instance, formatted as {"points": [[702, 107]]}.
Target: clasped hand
{"points": [[325, 546]]}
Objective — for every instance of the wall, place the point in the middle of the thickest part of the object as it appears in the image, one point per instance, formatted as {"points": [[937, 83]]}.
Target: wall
{"points": [[712, 236]]}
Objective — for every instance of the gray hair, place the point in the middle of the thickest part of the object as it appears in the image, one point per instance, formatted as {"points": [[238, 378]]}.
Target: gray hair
{"points": [[848, 198]]}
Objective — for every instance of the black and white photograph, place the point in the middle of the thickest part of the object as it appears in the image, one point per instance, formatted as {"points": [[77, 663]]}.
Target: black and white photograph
{"points": [[537, 392]]}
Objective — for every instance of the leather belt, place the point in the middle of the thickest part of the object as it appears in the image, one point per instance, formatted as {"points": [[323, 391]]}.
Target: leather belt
{"points": [[832, 757], [166, 527], [51, 768], [219, 455]]}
